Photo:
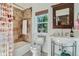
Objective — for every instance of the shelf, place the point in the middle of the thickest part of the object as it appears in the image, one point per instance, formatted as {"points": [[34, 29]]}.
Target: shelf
{"points": [[42, 22]]}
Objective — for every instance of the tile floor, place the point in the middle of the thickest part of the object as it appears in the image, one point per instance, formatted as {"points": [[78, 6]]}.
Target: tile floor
{"points": [[29, 53]]}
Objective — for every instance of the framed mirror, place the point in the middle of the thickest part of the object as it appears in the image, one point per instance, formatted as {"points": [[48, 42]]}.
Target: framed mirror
{"points": [[63, 15]]}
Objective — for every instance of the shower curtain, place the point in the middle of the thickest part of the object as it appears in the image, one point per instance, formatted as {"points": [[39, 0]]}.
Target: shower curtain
{"points": [[6, 29]]}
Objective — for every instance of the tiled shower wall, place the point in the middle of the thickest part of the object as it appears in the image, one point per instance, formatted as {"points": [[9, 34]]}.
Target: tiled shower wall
{"points": [[19, 16], [6, 29], [28, 17], [17, 13]]}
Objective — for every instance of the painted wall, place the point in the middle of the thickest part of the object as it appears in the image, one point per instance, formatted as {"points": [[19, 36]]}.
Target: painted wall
{"points": [[39, 7], [36, 8]]}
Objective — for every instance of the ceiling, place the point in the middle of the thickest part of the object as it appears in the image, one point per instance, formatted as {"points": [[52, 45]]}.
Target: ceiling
{"points": [[24, 5], [28, 5]]}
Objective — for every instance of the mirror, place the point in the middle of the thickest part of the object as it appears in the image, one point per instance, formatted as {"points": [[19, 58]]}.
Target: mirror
{"points": [[63, 15]]}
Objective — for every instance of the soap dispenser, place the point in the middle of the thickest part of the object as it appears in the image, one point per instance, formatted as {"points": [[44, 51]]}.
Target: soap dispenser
{"points": [[71, 33]]}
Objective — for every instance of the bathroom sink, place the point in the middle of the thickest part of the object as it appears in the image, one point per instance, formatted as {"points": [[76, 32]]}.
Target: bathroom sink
{"points": [[65, 40], [68, 43]]}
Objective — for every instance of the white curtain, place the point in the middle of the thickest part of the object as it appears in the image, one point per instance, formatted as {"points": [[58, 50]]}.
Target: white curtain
{"points": [[6, 30]]}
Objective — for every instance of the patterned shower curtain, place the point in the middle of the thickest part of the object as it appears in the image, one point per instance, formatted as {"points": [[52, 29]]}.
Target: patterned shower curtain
{"points": [[6, 29]]}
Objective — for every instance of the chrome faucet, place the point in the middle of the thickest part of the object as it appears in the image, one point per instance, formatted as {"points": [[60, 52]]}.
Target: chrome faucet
{"points": [[62, 34]]}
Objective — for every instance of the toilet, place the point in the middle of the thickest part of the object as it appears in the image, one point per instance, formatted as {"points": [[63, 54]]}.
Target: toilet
{"points": [[36, 50]]}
